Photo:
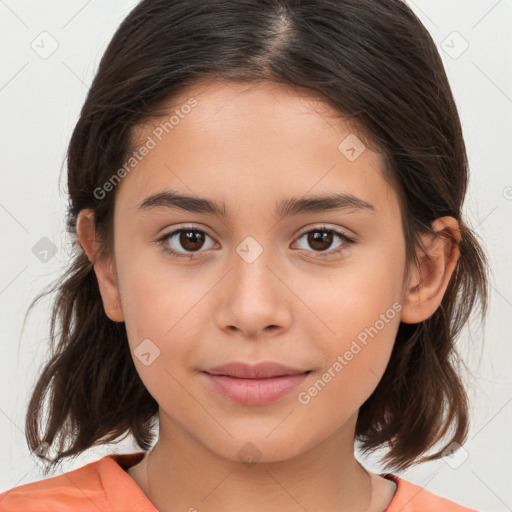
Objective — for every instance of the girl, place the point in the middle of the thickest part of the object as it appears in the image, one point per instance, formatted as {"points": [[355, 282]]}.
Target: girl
{"points": [[271, 264]]}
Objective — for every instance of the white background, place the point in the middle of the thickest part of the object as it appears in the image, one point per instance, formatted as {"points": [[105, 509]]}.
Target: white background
{"points": [[40, 99]]}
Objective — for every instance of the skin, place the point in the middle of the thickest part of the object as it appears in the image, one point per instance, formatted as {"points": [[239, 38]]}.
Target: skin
{"points": [[251, 146]]}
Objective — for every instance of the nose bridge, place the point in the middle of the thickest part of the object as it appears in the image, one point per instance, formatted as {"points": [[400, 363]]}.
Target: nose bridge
{"points": [[253, 297], [252, 275]]}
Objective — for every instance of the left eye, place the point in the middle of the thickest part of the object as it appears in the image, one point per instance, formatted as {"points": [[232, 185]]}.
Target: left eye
{"points": [[193, 240], [321, 238]]}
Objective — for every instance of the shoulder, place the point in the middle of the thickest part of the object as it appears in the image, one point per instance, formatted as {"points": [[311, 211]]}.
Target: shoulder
{"points": [[63, 492], [410, 497], [100, 485]]}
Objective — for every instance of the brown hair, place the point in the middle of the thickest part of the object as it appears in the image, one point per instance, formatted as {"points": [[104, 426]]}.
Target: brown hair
{"points": [[376, 64]]}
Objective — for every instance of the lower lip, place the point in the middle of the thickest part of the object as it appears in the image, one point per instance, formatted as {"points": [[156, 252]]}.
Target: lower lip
{"points": [[255, 391]]}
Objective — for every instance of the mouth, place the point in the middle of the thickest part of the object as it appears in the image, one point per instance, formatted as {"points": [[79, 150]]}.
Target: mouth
{"points": [[254, 385], [255, 378], [262, 370]]}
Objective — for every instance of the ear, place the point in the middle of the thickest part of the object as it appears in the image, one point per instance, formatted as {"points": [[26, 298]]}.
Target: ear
{"points": [[426, 287], [103, 268]]}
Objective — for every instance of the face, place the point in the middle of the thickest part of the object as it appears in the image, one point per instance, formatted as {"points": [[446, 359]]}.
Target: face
{"points": [[317, 289]]}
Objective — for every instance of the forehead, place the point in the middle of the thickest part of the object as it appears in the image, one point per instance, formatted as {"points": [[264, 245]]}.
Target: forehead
{"points": [[252, 142]]}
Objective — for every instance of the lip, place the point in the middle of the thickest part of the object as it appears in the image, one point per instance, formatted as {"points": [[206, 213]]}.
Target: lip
{"points": [[258, 384], [255, 391], [262, 370]]}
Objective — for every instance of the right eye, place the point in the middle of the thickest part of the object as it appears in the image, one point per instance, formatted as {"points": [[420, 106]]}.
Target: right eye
{"points": [[190, 239]]}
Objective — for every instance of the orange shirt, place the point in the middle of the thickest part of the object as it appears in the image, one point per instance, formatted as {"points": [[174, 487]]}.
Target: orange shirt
{"points": [[105, 486]]}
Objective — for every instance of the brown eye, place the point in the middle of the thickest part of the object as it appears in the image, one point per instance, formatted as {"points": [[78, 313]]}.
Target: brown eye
{"points": [[191, 240], [186, 242], [320, 240]]}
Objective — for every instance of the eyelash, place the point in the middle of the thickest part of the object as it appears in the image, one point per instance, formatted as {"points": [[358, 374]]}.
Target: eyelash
{"points": [[323, 254]]}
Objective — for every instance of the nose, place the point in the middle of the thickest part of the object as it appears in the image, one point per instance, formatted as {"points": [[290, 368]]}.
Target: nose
{"points": [[254, 298]]}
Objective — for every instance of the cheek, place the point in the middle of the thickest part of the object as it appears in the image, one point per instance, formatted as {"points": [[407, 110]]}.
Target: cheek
{"points": [[354, 362], [347, 300], [157, 300], [165, 307], [359, 311], [168, 316], [160, 321]]}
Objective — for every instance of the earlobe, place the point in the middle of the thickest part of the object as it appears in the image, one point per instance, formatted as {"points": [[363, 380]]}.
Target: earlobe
{"points": [[427, 285], [103, 268]]}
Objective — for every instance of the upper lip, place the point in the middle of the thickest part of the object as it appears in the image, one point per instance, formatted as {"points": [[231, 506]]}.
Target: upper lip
{"points": [[263, 370]]}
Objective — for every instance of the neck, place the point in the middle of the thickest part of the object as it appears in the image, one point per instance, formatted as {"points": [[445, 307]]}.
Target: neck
{"points": [[185, 475]]}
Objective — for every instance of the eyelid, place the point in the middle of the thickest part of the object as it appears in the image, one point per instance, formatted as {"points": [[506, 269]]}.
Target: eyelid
{"points": [[326, 227], [186, 227]]}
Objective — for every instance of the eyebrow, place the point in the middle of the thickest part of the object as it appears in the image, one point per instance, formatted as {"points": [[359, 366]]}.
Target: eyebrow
{"points": [[287, 207]]}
